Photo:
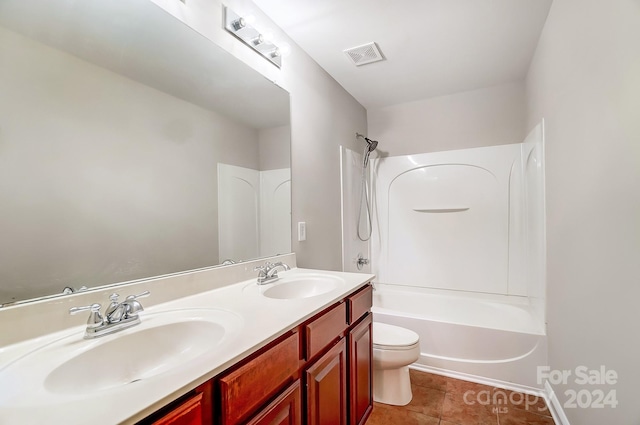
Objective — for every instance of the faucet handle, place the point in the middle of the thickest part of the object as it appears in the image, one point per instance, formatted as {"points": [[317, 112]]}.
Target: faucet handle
{"points": [[95, 318], [285, 266], [132, 306], [142, 295], [262, 270]]}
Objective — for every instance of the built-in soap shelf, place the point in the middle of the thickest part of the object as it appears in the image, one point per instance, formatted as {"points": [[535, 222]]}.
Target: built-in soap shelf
{"points": [[449, 209]]}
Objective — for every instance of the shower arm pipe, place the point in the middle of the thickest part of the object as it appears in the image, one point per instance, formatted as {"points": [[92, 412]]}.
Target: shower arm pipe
{"points": [[362, 136]]}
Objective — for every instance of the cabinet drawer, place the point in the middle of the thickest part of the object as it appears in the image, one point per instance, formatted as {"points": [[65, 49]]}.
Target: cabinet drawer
{"points": [[188, 412], [325, 329], [247, 387], [360, 303], [284, 410]]}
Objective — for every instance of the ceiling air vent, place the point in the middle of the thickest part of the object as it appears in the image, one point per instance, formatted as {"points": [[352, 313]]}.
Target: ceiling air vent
{"points": [[367, 53]]}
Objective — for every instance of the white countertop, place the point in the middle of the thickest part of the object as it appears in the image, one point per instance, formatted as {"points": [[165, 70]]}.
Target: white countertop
{"points": [[25, 400]]}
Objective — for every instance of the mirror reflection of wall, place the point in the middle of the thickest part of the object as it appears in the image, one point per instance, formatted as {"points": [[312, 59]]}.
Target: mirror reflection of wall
{"points": [[108, 169], [255, 204]]}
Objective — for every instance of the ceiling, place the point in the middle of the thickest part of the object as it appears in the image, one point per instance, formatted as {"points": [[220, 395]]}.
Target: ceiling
{"points": [[432, 47]]}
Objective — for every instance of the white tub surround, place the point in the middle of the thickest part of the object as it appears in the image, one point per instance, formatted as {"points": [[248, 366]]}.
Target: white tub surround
{"points": [[497, 340], [257, 320], [466, 220], [458, 248]]}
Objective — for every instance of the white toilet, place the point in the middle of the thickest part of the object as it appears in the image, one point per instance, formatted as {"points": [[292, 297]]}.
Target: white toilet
{"points": [[394, 349]]}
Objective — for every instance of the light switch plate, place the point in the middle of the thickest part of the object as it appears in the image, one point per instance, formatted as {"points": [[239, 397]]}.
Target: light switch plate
{"points": [[302, 231]]}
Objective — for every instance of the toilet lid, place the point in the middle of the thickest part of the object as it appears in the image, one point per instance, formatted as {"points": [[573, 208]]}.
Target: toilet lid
{"points": [[385, 335]]}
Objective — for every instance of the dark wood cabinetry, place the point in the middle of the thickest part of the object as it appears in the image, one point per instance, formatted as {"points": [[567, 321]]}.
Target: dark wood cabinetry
{"points": [[187, 413], [286, 409], [326, 381], [246, 387], [194, 408], [318, 373], [360, 371]]}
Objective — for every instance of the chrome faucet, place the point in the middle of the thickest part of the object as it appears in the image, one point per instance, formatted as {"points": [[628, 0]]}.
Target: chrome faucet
{"points": [[269, 272], [117, 316]]}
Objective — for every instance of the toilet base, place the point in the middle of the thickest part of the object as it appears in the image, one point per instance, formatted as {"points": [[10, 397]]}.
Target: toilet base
{"points": [[392, 386]]}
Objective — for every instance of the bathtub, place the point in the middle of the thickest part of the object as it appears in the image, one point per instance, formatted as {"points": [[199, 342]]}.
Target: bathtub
{"points": [[497, 340]]}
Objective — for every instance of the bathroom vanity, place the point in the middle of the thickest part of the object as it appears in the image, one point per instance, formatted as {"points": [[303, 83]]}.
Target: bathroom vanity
{"points": [[296, 351], [317, 372]]}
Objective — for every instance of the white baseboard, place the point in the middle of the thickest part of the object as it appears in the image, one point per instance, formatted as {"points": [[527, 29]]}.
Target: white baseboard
{"points": [[557, 412], [555, 407], [481, 380]]}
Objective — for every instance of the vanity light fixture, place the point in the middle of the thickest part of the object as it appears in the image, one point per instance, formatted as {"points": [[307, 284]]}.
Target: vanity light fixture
{"points": [[240, 28], [258, 40], [238, 24], [275, 53]]}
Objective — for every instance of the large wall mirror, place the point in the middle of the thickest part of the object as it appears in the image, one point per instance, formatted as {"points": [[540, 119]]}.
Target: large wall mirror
{"points": [[131, 147]]}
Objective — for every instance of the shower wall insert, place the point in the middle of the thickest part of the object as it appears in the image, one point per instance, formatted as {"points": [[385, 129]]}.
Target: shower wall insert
{"points": [[458, 242]]}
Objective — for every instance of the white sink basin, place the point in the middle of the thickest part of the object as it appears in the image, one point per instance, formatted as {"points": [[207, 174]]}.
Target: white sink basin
{"points": [[297, 285], [163, 342]]}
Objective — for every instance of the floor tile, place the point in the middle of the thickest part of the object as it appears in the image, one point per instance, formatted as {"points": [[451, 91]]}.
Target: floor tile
{"points": [[528, 402], [426, 400], [438, 400], [460, 386], [429, 380], [459, 410], [523, 417], [390, 415]]}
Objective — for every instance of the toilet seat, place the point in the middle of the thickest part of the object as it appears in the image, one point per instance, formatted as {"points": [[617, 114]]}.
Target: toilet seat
{"points": [[389, 337]]}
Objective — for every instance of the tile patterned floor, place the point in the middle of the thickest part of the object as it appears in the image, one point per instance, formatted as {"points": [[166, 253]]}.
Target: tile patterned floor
{"points": [[438, 400]]}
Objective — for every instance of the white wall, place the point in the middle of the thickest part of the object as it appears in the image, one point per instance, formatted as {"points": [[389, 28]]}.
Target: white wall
{"points": [[323, 117], [585, 81], [275, 148], [484, 117]]}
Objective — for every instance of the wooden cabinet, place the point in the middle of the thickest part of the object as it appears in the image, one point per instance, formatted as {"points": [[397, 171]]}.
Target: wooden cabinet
{"points": [[326, 382], [327, 327], [194, 408], [318, 373], [286, 409], [360, 371], [187, 413], [360, 303], [338, 384], [247, 387]]}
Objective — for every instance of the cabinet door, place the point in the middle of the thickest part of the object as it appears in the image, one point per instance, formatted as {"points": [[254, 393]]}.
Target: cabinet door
{"points": [[360, 364], [247, 387], [188, 413], [327, 388], [284, 410]]}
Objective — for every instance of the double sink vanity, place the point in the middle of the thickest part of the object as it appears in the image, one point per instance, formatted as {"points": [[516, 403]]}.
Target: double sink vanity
{"points": [[294, 349]]}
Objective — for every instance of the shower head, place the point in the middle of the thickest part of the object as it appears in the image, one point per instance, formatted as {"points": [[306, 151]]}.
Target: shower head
{"points": [[371, 144]]}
